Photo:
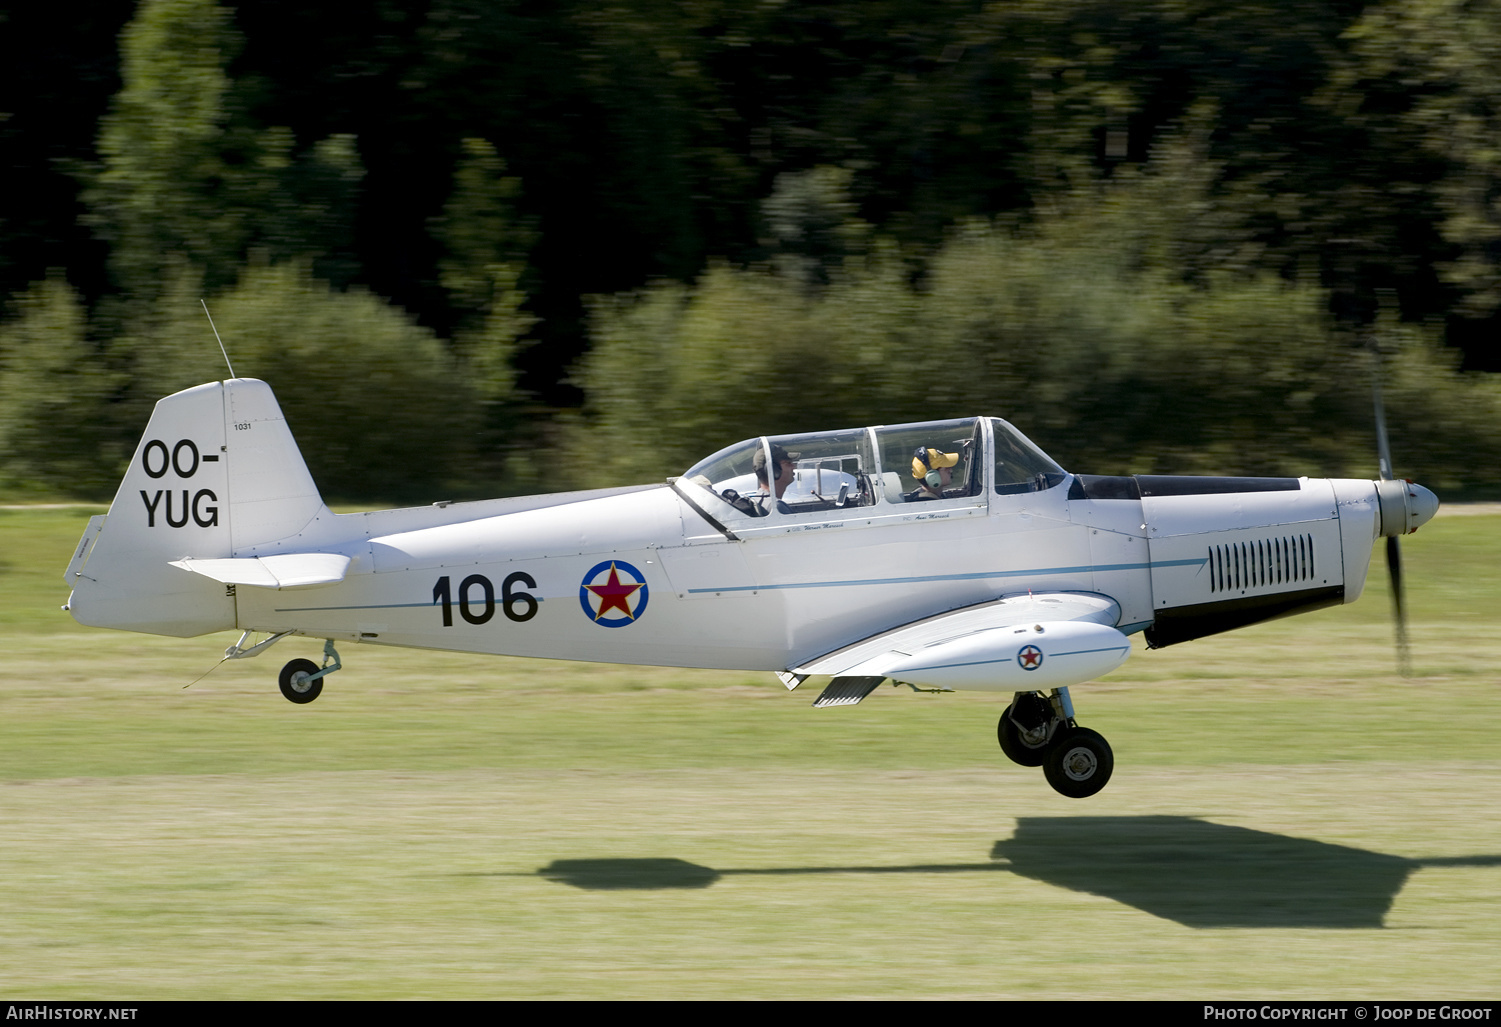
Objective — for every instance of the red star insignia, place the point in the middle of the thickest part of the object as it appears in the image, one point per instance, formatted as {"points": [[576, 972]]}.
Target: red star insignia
{"points": [[1030, 656], [613, 595]]}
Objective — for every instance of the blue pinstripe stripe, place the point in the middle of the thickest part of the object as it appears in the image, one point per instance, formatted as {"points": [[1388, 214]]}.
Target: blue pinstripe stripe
{"points": [[973, 576]]}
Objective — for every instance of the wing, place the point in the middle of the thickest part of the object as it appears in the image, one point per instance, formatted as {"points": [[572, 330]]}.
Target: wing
{"points": [[1018, 644]]}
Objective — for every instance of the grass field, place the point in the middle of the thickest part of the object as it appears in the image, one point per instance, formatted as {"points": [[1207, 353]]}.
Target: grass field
{"points": [[1287, 819]]}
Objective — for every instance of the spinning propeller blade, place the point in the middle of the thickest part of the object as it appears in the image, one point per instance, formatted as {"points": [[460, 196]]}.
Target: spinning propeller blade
{"points": [[1394, 567], [1393, 549]]}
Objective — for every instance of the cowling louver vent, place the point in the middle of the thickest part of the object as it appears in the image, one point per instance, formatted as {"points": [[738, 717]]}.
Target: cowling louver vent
{"points": [[1260, 563]]}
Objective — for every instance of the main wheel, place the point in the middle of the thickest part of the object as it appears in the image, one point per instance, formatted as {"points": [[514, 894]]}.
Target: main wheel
{"points": [[296, 683], [1078, 763], [1026, 746]]}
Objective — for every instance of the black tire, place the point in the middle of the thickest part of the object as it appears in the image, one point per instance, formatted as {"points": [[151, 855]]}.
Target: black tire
{"points": [[1017, 749], [1079, 763], [300, 691]]}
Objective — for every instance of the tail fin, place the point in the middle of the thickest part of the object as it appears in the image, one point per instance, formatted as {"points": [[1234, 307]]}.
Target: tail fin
{"points": [[217, 471]]}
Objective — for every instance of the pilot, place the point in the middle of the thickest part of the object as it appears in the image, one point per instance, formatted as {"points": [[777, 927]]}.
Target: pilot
{"points": [[932, 469], [785, 471]]}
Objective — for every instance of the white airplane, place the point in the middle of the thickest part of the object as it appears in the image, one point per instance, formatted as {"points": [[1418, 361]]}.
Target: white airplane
{"points": [[944, 555]]}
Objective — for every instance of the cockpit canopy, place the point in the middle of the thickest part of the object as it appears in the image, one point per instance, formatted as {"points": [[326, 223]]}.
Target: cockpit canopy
{"points": [[891, 464]]}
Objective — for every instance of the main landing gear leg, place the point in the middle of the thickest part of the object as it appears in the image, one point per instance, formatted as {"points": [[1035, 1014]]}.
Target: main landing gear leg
{"points": [[1038, 730], [302, 680]]}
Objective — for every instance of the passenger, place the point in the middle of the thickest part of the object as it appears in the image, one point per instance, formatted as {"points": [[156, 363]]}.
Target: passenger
{"points": [[932, 469]]}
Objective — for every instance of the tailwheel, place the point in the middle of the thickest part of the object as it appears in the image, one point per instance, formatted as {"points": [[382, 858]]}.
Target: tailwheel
{"points": [[297, 681], [1024, 729], [1078, 763]]}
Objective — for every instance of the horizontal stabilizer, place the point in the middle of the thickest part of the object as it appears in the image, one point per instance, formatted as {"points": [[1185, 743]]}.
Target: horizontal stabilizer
{"points": [[284, 570]]}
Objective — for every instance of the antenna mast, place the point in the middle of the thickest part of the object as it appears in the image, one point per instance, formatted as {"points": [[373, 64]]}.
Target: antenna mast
{"points": [[216, 337]]}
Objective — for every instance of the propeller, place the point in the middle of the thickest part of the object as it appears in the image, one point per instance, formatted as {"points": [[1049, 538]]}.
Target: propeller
{"points": [[1402, 507], [1393, 549]]}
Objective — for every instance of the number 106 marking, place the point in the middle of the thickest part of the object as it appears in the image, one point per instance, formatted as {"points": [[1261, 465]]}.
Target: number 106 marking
{"points": [[485, 599]]}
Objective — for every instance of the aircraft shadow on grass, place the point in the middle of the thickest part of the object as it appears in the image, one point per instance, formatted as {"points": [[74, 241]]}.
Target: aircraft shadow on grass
{"points": [[1194, 872]]}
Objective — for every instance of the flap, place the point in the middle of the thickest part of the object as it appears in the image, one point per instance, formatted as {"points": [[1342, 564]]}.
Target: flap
{"points": [[284, 570]]}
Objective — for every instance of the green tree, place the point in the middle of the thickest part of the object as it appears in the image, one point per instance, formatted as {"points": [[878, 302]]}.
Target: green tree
{"points": [[813, 224], [1080, 326], [379, 406], [1421, 76], [485, 240], [185, 175], [56, 395]]}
